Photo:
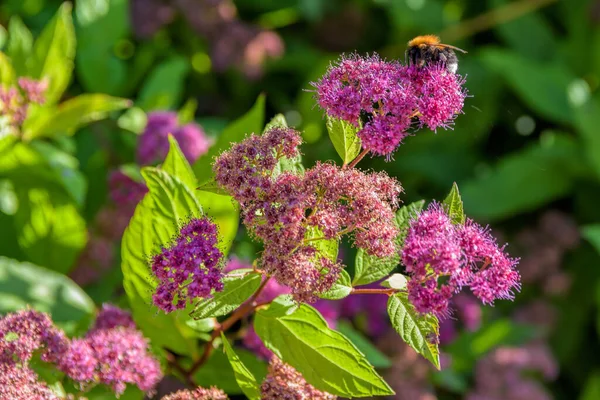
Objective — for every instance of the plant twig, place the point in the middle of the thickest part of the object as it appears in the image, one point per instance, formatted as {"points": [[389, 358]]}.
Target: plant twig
{"points": [[358, 158], [389, 291]]}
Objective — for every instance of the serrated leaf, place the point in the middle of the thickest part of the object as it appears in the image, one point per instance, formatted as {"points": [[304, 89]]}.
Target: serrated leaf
{"points": [[374, 356], [23, 284], [326, 358], [395, 281], [235, 132], [72, 114], [278, 121], [340, 289], [419, 331], [367, 268], [344, 139], [177, 165], [326, 247], [454, 206], [244, 378], [237, 289], [213, 187]]}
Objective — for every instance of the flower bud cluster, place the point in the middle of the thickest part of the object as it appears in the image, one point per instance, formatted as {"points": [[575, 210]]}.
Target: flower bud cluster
{"points": [[284, 382]]}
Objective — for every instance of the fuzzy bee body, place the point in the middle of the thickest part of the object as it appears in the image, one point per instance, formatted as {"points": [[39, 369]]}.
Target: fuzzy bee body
{"points": [[427, 49]]}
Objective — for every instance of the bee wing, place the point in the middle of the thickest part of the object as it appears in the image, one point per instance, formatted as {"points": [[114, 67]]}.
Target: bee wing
{"points": [[452, 47]]}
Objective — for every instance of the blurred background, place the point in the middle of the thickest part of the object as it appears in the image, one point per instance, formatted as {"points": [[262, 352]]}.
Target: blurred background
{"points": [[525, 154]]}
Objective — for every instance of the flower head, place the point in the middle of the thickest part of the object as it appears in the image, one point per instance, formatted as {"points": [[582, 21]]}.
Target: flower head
{"points": [[199, 393], [21, 382], [387, 96], [442, 257], [190, 267], [111, 316], [284, 382]]}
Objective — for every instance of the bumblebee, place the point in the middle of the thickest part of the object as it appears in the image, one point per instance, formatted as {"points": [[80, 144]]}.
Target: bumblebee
{"points": [[427, 49]]}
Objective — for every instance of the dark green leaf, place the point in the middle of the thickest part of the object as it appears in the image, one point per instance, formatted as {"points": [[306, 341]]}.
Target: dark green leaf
{"points": [[244, 378], [23, 284], [164, 86], [405, 215], [239, 285], [326, 358], [592, 234], [419, 331], [453, 206], [53, 54], [340, 289], [587, 118], [344, 139], [69, 116], [591, 389], [236, 131], [374, 356]]}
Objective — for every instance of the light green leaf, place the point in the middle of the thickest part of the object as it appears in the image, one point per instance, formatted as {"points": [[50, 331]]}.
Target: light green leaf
{"points": [[367, 268], [278, 121], [185, 115], [326, 358], [7, 72], [243, 376], [453, 206], [164, 86], [419, 331], [202, 325], [20, 42], [53, 54], [177, 165], [212, 187], [23, 284], [592, 234], [239, 285], [326, 247], [69, 116], [591, 389], [374, 356], [395, 281], [235, 132], [340, 289], [344, 139]]}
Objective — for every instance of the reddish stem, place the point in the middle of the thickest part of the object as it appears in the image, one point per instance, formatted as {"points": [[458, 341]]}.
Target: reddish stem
{"points": [[389, 291], [358, 158], [238, 314]]}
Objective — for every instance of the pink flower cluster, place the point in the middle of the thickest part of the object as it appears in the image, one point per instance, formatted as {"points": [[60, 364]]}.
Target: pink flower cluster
{"points": [[190, 267], [199, 393], [284, 382], [389, 96], [291, 212], [153, 144], [442, 258], [113, 353], [15, 100]]}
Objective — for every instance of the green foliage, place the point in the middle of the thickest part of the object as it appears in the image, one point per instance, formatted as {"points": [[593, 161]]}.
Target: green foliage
{"points": [[419, 331], [343, 136], [340, 289], [23, 284], [162, 89], [243, 376], [326, 358], [453, 206], [239, 285], [374, 356]]}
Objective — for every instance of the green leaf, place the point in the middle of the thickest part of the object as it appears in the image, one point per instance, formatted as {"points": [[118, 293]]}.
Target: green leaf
{"points": [[367, 268], [243, 376], [419, 331], [177, 165], [155, 221], [374, 356], [20, 42], [23, 284], [453, 206], [186, 113], [53, 54], [326, 358], [395, 281], [529, 79], [277, 121], [526, 179], [218, 371], [202, 325], [235, 132], [69, 116], [591, 389], [587, 118], [326, 247], [344, 139], [239, 285], [212, 187], [164, 86], [7, 72], [592, 234], [340, 289]]}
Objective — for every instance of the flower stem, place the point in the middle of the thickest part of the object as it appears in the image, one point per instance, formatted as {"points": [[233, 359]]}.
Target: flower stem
{"points": [[238, 314], [358, 158], [389, 291]]}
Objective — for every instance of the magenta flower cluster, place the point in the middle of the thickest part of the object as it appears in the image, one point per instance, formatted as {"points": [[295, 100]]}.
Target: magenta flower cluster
{"points": [[291, 212], [113, 353], [200, 393], [153, 144], [15, 100], [190, 268], [390, 96], [442, 257]]}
